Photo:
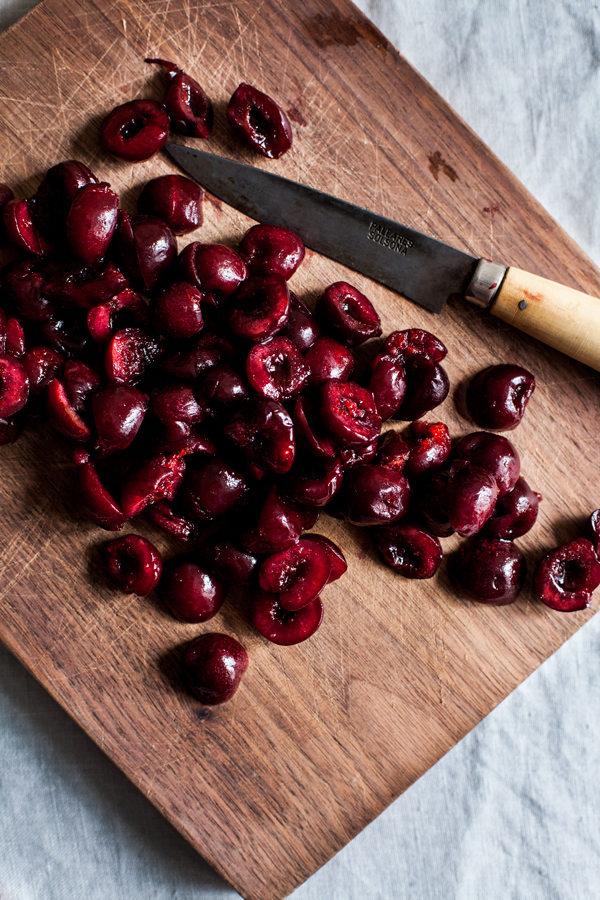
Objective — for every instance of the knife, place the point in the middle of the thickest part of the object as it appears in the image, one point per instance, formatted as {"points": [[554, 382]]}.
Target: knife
{"points": [[415, 265]]}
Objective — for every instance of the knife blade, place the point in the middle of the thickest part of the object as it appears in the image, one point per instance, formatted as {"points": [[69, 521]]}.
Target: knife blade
{"points": [[418, 266]]}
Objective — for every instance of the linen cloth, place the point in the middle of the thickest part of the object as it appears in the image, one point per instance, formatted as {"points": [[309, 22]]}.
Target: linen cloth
{"points": [[513, 811]]}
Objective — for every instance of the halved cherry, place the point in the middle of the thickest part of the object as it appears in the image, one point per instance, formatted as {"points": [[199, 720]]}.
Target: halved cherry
{"points": [[259, 307], [349, 413], [155, 479], [277, 369], [94, 501], [133, 563], [337, 559], [129, 353], [14, 386], [62, 415], [119, 411], [347, 314], [279, 625], [297, 575], [263, 430]]}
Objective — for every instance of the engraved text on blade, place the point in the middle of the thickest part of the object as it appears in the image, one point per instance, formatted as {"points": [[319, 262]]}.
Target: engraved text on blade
{"points": [[388, 238]]}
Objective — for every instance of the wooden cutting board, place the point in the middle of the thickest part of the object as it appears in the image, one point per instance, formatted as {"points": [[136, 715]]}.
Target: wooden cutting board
{"points": [[323, 736]]}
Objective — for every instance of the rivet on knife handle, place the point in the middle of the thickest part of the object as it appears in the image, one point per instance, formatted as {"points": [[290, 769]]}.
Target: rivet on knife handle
{"points": [[561, 317]]}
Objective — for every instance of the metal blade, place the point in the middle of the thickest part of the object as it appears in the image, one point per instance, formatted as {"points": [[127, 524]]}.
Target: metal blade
{"points": [[418, 267]]}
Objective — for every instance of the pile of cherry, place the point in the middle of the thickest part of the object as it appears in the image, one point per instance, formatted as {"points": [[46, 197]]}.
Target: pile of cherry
{"points": [[198, 389]]}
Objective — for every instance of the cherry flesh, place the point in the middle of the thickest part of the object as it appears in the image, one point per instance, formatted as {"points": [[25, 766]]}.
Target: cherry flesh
{"points": [[134, 131], [189, 109], [213, 667], [259, 122], [297, 574], [402, 345], [409, 550], [277, 369], [566, 577], [284, 627], [263, 431], [329, 361], [14, 386], [259, 308], [133, 564], [489, 571], [347, 314], [514, 514], [349, 413], [315, 483]]}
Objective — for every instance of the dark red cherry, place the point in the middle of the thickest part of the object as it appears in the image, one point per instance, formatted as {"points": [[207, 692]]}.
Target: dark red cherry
{"points": [[210, 489], [23, 288], [21, 229], [359, 455], [175, 199], [93, 500], [154, 479], [229, 561], [91, 222], [11, 428], [222, 385], [263, 431], [14, 386], [58, 189], [427, 386], [213, 666], [337, 560], [514, 513], [77, 287], [374, 495], [329, 361], [277, 369], [489, 571], [402, 345], [272, 250], [133, 564], [409, 550], [164, 516], [497, 396], [566, 577], [189, 591], [494, 453], [308, 429], [190, 110], [347, 314], [301, 327], [213, 268], [297, 575], [126, 309], [119, 411], [314, 483], [42, 365], [431, 448], [388, 385], [144, 248], [175, 405], [470, 497], [177, 311], [129, 353], [62, 415], [134, 131], [393, 450], [349, 414], [259, 122], [281, 626], [279, 525], [259, 308]]}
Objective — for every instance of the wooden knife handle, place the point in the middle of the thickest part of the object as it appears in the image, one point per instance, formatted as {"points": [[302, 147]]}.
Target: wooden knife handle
{"points": [[561, 317]]}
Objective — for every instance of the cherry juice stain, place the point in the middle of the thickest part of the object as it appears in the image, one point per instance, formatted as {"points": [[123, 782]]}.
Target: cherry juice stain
{"points": [[296, 116], [437, 163], [491, 210], [338, 30]]}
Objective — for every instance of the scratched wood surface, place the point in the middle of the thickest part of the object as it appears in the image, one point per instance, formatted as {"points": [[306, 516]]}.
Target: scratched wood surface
{"points": [[323, 736]]}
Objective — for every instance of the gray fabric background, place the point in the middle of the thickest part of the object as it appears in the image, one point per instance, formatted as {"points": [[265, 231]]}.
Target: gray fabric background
{"points": [[512, 812]]}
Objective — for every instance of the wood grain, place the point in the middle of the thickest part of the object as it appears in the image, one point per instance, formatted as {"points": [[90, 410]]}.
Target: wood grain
{"points": [[323, 736]]}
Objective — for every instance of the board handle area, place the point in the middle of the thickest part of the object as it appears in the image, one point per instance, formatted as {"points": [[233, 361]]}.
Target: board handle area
{"points": [[561, 317]]}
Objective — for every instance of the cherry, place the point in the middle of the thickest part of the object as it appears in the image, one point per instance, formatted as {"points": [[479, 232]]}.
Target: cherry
{"points": [[222, 385], [314, 483], [213, 268], [91, 222], [337, 560], [497, 397], [23, 287], [189, 109], [297, 574], [402, 345], [229, 561], [189, 591], [427, 386], [277, 369], [133, 564], [388, 385], [349, 414], [144, 248], [134, 131], [175, 199], [259, 122], [62, 415], [210, 489], [177, 311], [157, 478], [431, 447], [11, 428], [42, 365], [263, 431], [375, 495], [308, 432], [494, 453], [21, 229], [301, 327], [259, 307], [347, 314], [329, 361], [83, 288], [489, 571], [567, 576], [129, 353], [57, 191], [359, 455], [271, 250], [94, 501], [213, 666], [514, 513], [409, 550], [119, 411], [163, 515], [175, 405], [461, 499], [393, 450], [125, 309], [14, 386], [279, 524], [281, 626]]}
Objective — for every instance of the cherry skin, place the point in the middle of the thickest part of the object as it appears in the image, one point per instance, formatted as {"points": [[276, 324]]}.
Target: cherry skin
{"points": [[284, 627], [566, 577], [409, 550], [134, 131], [489, 571], [133, 564], [189, 591], [498, 396], [213, 667], [259, 122]]}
